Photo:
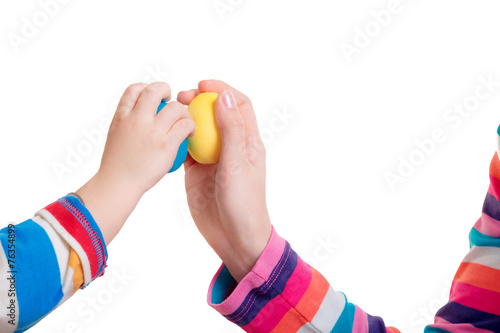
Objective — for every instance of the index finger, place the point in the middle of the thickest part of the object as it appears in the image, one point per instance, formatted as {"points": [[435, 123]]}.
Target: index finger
{"points": [[185, 97], [219, 86]]}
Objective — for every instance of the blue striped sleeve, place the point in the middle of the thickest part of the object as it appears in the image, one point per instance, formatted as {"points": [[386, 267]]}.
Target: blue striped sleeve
{"points": [[36, 273]]}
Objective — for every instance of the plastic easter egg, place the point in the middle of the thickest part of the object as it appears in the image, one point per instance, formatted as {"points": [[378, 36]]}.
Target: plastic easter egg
{"points": [[205, 146]]}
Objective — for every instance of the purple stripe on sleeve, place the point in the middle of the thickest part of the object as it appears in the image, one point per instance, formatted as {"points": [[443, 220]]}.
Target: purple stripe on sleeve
{"points": [[375, 324], [491, 207], [259, 297], [457, 313]]}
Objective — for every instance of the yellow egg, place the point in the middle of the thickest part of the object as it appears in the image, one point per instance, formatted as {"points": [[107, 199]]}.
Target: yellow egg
{"points": [[205, 145]]}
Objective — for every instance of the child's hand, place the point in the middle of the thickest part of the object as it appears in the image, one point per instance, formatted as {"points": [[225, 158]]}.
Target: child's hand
{"points": [[228, 200], [140, 149], [142, 145]]}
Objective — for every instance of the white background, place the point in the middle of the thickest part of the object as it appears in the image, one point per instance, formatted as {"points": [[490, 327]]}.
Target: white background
{"points": [[394, 252]]}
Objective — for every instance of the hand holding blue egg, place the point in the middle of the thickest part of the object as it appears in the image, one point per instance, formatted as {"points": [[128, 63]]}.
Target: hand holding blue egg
{"points": [[205, 146]]}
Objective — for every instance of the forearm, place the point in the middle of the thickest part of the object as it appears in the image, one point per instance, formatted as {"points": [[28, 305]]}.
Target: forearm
{"points": [[111, 200]]}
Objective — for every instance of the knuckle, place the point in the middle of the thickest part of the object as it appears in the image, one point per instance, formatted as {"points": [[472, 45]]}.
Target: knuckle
{"points": [[151, 89], [156, 88], [206, 82], [243, 99], [237, 122], [246, 100], [134, 89], [238, 128], [121, 121], [186, 125], [183, 127], [118, 119], [180, 109], [176, 105]]}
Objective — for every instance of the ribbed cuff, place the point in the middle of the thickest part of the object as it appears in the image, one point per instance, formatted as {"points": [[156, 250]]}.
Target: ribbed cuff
{"points": [[69, 217], [242, 303]]}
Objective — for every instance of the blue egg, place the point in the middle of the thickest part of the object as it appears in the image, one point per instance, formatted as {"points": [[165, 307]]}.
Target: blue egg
{"points": [[183, 148]]}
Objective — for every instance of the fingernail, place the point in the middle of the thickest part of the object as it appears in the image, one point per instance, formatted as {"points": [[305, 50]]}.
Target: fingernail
{"points": [[228, 100]]}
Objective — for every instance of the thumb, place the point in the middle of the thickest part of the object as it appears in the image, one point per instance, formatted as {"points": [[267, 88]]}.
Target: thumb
{"points": [[232, 127]]}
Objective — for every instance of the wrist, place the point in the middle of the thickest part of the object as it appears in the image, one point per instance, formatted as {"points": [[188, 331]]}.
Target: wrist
{"points": [[110, 199], [120, 186], [239, 266], [245, 254]]}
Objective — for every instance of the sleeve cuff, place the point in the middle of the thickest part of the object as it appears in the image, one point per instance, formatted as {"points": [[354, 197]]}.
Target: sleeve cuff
{"points": [[242, 303], [69, 217]]}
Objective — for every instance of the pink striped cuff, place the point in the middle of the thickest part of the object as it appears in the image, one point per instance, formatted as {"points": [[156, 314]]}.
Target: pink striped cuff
{"points": [[260, 274]]}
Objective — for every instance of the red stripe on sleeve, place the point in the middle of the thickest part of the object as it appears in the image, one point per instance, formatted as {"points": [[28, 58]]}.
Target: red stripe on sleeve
{"points": [[73, 226]]}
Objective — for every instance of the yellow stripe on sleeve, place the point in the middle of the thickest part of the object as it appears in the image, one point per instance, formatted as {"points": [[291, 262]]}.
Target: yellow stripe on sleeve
{"points": [[76, 265]]}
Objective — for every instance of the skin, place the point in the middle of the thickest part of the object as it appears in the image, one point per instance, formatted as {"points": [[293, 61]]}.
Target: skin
{"points": [[228, 199], [140, 149]]}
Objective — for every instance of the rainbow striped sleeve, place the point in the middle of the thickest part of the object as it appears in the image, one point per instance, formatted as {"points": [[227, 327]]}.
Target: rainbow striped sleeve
{"points": [[45, 260], [283, 294], [474, 304]]}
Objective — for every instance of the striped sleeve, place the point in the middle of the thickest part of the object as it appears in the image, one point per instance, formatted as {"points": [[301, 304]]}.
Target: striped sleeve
{"points": [[474, 304], [283, 294], [45, 260]]}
